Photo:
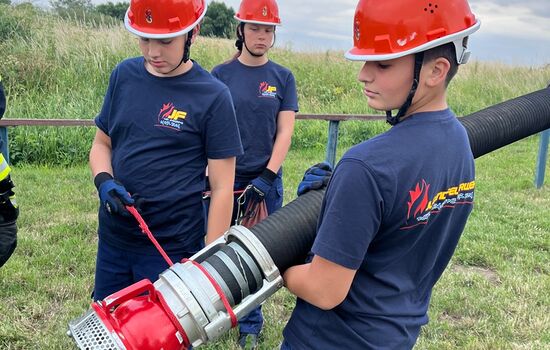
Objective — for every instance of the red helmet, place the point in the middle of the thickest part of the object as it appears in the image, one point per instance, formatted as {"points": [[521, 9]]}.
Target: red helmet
{"points": [[259, 12], [161, 19], [384, 30]]}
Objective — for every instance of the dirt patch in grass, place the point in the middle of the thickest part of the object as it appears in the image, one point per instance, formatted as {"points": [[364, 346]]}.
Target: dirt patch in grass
{"points": [[490, 275]]}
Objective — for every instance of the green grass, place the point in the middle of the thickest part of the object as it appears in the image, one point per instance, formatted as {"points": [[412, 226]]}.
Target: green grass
{"points": [[494, 295], [56, 68]]}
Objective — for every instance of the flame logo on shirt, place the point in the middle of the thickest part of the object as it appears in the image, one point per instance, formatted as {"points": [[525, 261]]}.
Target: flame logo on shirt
{"points": [[421, 208], [170, 117], [267, 90], [419, 199]]}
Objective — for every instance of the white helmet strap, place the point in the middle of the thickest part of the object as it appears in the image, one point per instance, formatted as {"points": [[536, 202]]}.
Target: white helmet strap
{"points": [[462, 52]]}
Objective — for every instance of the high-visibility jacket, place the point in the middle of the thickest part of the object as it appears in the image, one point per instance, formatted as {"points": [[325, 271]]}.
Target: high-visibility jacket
{"points": [[8, 213]]}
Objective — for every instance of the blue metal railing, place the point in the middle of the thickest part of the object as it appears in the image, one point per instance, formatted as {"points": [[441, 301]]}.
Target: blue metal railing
{"points": [[331, 147]]}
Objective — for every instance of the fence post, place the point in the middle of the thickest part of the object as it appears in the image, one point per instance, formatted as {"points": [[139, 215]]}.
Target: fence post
{"points": [[4, 143], [541, 160], [332, 141]]}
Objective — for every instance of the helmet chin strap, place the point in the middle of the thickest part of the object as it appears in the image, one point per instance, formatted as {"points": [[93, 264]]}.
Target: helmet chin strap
{"points": [[186, 50], [242, 42], [393, 120]]}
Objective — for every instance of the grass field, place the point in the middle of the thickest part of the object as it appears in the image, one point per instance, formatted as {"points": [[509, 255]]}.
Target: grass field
{"points": [[494, 295]]}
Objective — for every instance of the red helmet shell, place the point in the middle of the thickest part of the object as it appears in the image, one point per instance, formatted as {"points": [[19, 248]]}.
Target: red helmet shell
{"points": [[160, 19], [384, 30], [259, 12]]}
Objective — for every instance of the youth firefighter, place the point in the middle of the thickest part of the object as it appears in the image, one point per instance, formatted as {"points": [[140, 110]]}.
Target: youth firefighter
{"points": [[265, 99], [163, 120], [8, 205], [396, 204]]}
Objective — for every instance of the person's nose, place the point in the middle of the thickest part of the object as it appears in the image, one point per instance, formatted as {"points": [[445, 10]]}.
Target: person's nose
{"points": [[153, 49], [366, 73]]}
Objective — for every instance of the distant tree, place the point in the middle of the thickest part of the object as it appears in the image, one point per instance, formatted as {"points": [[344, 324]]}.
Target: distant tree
{"points": [[63, 6], [219, 21], [117, 10], [81, 11], [6, 2]]}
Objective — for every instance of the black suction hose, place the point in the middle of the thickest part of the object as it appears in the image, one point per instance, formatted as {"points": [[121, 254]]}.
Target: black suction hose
{"points": [[288, 234], [507, 122]]}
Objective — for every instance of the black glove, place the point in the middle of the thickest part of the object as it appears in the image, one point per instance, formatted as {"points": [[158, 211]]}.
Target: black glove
{"points": [[315, 178], [8, 241], [112, 194], [262, 185], [2, 100], [9, 211]]}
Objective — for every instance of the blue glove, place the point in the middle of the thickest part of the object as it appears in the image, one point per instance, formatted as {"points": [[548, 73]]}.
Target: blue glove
{"points": [[113, 195], [262, 185], [315, 178]]}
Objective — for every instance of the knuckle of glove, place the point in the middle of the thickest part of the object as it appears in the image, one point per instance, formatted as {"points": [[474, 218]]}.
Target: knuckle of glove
{"points": [[122, 193], [261, 186], [321, 167], [320, 172], [114, 197], [325, 166], [313, 177], [114, 189]]}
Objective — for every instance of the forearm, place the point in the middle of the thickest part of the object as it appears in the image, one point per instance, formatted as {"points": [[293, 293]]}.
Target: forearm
{"points": [[321, 283], [100, 155], [219, 213], [298, 281], [280, 150]]}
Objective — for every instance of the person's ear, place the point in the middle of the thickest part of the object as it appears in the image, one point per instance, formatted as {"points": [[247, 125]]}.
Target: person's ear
{"points": [[436, 71], [196, 31]]}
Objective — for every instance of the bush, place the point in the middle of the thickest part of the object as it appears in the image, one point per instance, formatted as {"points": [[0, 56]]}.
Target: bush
{"points": [[117, 10], [14, 24]]}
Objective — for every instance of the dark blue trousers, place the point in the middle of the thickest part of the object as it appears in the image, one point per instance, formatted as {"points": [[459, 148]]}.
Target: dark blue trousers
{"points": [[117, 269]]}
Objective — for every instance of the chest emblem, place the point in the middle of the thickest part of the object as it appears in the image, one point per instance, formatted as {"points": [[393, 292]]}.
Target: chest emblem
{"points": [[170, 117], [267, 90]]}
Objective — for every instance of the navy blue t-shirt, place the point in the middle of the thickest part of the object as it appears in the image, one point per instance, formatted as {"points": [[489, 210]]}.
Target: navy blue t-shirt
{"points": [[162, 132], [394, 211], [259, 94]]}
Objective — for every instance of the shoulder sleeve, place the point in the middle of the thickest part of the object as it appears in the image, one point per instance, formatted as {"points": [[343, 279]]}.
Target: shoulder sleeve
{"points": [[221, 132], [350, 216], [290, 97], [102, 119], [215, 72]]}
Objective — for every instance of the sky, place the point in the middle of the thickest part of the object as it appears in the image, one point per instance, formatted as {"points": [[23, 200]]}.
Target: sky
{"points": [[514, 32]]}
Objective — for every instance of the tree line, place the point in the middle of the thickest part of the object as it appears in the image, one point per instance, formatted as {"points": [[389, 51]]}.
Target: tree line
{"points": [[218, 21]]}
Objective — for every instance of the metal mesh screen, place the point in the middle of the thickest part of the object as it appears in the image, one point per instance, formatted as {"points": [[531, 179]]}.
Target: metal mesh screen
{"points": [[89, 333]]}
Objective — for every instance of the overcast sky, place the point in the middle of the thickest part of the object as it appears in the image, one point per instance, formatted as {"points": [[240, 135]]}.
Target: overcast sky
{"points": [[512, 31]]}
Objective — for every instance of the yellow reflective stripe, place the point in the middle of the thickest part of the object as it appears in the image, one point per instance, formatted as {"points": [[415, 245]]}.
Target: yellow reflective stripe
{"points": [[4, 168], [13, 201]]}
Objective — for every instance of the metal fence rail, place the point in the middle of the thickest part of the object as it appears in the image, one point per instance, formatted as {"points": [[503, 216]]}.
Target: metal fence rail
{"points": [[332, 142]]}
